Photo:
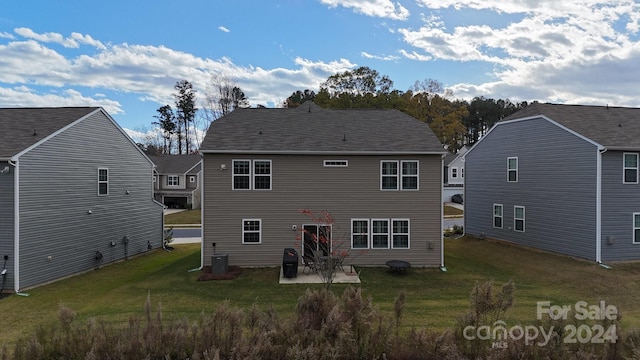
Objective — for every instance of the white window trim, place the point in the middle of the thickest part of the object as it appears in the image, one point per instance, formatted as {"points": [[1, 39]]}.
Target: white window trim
{"points": [[234, 175], [373, 233], [524, 217], [103, 181], [635, 241], [454, 172], [515, 170], [625, 168], [253, 174], [252, 232], [496, 216], [192, 178], [397, 175], [173, 177], [402, 176], [368, 233], [336, 163], [394, 233]]}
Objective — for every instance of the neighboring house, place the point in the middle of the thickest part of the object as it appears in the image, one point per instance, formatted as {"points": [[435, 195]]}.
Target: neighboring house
{"points": [[562, 178], [378, 172], [453, 174], [75, 194], [176, 180]]}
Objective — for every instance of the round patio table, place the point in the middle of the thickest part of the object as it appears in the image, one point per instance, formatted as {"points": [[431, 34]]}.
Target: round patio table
{"points": [[398, 265]]}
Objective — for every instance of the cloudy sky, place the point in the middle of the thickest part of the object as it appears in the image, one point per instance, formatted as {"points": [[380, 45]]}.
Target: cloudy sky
{"points": [[126, 55]]}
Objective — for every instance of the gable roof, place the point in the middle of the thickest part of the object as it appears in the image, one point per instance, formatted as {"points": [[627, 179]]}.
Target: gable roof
{"points": [[312, 129], [21, 128], [616, 128], [177, 164]]}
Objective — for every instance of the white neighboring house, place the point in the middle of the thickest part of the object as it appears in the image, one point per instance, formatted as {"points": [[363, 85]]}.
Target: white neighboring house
{"points": [[453, 182]]}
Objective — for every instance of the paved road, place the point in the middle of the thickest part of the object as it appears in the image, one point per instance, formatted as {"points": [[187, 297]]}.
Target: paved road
{"points": [[448, 223]]}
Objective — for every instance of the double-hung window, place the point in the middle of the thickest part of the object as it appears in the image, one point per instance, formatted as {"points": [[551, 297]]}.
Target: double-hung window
{"points": [[630, 168], [497, 216], [400, 233], [251, 175], [103, 182], [518, 218], [636, 228], [251, 231], [380, 233], [399, 175], [359, 233], [173, 180], [512, 169]]}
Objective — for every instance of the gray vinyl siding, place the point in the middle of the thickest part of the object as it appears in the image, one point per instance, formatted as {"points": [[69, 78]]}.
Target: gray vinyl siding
{"points": [[7, 222], [58, 189], [301, 181], [556, 184], [619, 202]]}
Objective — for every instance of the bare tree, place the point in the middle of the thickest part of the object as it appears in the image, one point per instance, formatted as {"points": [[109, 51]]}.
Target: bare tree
{"points": [[222, 97], [185, 112]]}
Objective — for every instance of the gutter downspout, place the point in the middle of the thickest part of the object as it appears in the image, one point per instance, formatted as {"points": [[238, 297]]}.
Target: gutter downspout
{"points": [[16, 224], [442, 267], [601, 150]]}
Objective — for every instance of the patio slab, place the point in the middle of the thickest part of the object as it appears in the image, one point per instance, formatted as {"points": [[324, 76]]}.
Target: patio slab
{"points": [[313, 278]]}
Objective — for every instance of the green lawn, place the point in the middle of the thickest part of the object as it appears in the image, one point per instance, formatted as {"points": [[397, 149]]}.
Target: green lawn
{"points": [[183, 217], [434, 299]]}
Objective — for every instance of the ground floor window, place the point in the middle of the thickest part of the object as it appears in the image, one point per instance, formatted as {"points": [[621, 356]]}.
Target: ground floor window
{"points": [[518, 218], [636, 228], [497, 216], [251, 231], [379, 233]]}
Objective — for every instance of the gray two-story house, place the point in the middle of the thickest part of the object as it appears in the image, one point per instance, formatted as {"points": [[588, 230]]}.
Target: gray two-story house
{"points": [[75, 192], [562, 178], [378, 173], [176, 180]]}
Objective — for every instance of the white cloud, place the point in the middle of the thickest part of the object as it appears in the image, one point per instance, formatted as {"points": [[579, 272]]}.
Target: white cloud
{"points": [[377, 8], [379, 57], [551, 51], [49, 37], [223, 29], [6, 35]]}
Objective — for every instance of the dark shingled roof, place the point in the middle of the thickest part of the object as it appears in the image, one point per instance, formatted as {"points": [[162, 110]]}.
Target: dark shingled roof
{"points": [[616, 128], [309, 128], [21, 128], [176, 164]]}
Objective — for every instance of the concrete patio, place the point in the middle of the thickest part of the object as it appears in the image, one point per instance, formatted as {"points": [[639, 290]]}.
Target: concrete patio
{"points": [[341, 277]]}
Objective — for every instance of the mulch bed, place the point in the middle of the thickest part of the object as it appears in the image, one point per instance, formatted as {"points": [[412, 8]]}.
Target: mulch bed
{"points": [[206, 275]]}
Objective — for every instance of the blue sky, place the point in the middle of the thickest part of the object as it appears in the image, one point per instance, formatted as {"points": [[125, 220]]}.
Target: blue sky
{"points": [[127, 55]]}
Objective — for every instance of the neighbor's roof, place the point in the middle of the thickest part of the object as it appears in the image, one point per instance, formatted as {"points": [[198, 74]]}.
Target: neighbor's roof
{"points": [[311, 129], [21, 128], [177, 164], [616, 128]]}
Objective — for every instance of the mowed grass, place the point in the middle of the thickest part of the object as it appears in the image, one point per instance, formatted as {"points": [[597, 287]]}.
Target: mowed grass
{"points": [[434, 299], [183, 217]]}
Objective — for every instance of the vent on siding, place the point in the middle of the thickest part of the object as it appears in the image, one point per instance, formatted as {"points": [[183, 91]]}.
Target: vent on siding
{"points": [[336, 163]]}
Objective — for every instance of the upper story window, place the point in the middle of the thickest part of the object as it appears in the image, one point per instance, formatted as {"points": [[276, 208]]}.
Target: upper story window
{"points": [[399, 175], [518, 218], [336, 163], [103, 182], [630, 168], [173, 180], [512, 169], [497, 216], [192, 179], [454, 172], [251, 175]]}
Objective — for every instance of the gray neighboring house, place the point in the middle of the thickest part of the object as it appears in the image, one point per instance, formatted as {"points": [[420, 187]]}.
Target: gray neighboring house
{"points": [[75, 191], [562, 178], [176, 180], [453, 174], [378, 172]]}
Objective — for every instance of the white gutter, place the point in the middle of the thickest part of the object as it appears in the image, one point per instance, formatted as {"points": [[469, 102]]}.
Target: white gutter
{"points": [[601, 150], [16, 224], [442, 215]]}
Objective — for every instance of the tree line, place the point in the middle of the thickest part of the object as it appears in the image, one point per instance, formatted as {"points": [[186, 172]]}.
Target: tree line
{"points": [[455, 122]]}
